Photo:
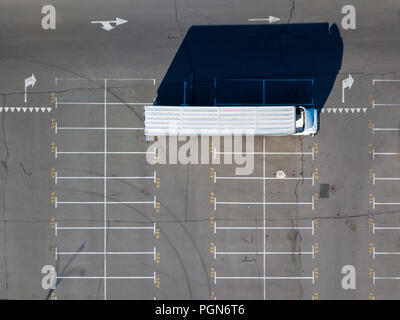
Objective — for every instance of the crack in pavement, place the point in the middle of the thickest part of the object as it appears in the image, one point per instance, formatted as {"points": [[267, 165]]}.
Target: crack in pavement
{"points": [[29, 174], [5, 165], [186, 192], [176, 18]]}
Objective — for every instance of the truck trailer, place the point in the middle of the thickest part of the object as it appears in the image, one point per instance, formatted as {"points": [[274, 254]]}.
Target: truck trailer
{"points": [[229, 120]]}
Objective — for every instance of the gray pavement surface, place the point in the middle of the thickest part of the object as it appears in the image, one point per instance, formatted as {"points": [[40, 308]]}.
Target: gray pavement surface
{"points": [[176, 245]]}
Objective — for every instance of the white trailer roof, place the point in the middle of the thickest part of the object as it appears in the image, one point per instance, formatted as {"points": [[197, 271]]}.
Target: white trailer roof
{"points": [[218, 121]]}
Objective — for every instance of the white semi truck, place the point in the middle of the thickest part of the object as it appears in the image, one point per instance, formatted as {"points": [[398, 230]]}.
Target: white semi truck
{"points": [[228, 120]]}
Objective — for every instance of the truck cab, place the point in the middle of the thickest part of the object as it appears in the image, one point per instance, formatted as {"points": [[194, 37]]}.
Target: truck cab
{"points": [[306, 121]]}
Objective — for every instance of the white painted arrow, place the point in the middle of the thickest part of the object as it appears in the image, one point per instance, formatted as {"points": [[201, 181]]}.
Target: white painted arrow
{"points": [[347, 83], [270, 19], [29, 82], [108, 25]]}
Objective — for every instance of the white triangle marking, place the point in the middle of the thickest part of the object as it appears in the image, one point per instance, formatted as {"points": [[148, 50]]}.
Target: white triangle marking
{"points": [[49, 109], [365, 110], [358, 110], [37, 109], [352, 110], [1, 109], [6, 109], [24, 109], [12, 109], [329, 110], [334, 110], [340, 110], [30, 109], [346, 109], [43, 109], [18, 109]]}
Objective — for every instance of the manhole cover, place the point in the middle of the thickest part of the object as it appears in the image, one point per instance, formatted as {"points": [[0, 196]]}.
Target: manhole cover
{"points": [[280, 174], [324, 190]]}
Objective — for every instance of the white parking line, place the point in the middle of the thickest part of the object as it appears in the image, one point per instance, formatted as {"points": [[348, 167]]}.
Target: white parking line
{"points": [[57, 153], [260, 178], [264, 219], [374, 278], [262, 278], [109, 79], [262, 203], [383, 153], [386, 129], [104, 278], [215, 152], [105, 191], [374, 178], [263, 252], [57, 228], [384, 80], [57, 203], [84, 103], [264, 228], [383, 228], [377, 253], [374, 203], [57, 128], [383, 129], [105, 152], [57, 177], [384, 104], [108, 253]]}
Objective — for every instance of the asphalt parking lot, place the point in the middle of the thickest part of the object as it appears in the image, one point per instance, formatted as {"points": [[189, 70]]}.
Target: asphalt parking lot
{"points": [[78, 192]]}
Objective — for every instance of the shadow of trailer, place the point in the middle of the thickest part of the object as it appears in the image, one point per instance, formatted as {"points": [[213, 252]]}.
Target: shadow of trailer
{"points": [[254, 65]]}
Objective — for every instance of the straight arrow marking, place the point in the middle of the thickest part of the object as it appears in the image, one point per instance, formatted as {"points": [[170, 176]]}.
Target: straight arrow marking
{"points": [[270, 19]]}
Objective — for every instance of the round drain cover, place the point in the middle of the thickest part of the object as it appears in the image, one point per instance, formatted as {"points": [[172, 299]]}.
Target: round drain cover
{"points": [[280, 174]]}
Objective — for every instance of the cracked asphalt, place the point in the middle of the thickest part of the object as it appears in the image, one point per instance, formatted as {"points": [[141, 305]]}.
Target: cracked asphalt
{"points": [[194, 258]]}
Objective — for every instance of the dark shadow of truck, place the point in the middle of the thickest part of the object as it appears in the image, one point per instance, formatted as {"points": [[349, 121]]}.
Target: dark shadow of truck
{"points": [[291, 64]]}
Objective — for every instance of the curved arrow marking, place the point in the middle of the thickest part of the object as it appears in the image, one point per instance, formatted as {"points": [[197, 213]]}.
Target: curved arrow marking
{"points": [[31, 81], [347, 83]]}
